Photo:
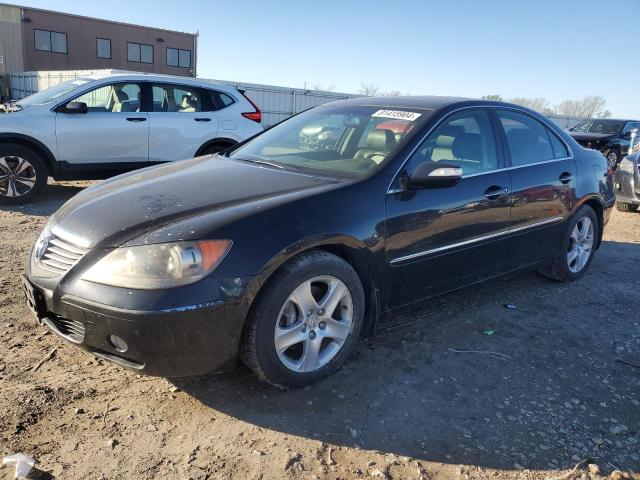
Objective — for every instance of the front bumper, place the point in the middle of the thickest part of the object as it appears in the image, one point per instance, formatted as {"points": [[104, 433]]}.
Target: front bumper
{"points": [[626, 188], [170, 340]]}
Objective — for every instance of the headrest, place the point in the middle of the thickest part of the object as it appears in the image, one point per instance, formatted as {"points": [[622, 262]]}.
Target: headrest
{"points": [[447, 135], [121, 96], [381, 139], [468, 146]]}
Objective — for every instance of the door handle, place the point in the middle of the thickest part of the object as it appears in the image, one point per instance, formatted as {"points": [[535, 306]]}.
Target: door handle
{"points": [[201, 119], [494, 192], [136, 119], [566, 177]]}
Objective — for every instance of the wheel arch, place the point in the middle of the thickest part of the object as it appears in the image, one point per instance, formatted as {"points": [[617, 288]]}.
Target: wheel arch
{"points": [[223, 141], [351, 250], [598, 207], [35, 145]]}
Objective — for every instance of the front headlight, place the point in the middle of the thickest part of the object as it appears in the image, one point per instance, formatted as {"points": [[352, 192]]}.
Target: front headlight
{"points": [[626, 165], [162, 265]]}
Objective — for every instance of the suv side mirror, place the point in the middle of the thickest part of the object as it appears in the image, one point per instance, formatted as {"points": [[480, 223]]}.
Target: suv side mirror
{"points": [[75, 107], [435, 175]]}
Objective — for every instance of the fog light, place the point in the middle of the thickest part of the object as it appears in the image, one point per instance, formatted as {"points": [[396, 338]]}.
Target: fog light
{"points": [[118, 343]]}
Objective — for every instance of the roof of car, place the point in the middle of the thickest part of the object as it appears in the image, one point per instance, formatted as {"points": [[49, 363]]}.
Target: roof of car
{"points": [[425, 102], [154, 76]]}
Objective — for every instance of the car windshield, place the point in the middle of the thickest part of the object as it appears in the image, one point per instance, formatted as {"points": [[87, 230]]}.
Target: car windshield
{"points": [[50, 94], [599, 126], [343, 141]]}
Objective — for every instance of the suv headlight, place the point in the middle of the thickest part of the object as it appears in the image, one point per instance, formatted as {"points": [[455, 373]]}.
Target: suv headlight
{"points": [[162, 265], [626, 165]]}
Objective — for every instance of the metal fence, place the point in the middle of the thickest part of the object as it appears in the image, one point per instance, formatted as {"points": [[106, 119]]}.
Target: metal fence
{"points": [[279, 103]]}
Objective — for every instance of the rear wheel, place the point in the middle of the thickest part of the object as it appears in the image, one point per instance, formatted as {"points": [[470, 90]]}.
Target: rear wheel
{"points": [[626, 207], [574, 254], [215, 148], [23, 174], [306, 321]]}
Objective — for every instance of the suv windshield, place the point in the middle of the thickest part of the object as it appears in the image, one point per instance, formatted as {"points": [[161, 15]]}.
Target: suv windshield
{"points": [[50, 94], [599, 126], [345, 141]]}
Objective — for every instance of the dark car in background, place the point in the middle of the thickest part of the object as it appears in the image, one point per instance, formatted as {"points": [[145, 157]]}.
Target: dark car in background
{"points": [[627, 183], [285, 248], [610, 136]]}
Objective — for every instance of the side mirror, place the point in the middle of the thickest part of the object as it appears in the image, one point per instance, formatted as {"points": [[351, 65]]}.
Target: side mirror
{"points": [[435, 175], [75, 107]]}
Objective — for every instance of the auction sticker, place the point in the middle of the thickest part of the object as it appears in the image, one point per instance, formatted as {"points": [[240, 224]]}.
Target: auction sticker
{"points": [[397, 114]]}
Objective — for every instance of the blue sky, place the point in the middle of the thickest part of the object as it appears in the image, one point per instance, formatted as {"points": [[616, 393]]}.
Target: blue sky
{"points": [[562, 49]]}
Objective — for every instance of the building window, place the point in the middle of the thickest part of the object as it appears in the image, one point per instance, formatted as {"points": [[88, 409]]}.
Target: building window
{"points": [[103, 47], [47, 41], [139, 52], [178, 58]]}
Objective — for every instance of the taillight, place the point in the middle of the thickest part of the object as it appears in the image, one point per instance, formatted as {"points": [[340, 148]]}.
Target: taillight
{"points": [[255, 116]]}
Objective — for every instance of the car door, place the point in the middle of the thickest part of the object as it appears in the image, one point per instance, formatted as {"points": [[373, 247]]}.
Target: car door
{"points": [[112, 134], [543, 181], [181, 120], [439, 239]]}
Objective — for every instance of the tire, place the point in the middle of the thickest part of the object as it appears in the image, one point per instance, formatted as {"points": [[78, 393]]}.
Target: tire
{"points": [[215, 148], [626, 207], [277, 311], [23, 174], [560, 267], [613, 157]]}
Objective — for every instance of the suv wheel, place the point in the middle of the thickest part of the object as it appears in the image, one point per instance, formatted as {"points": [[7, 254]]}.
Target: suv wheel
{"points": [[23, 174], [306, 321], [612, 158], [626, 207], [574, 255]]}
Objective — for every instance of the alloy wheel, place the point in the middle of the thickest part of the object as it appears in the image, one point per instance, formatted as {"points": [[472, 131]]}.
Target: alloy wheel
{"points": [[612, 159], [313, 324], [580, 244], [17, 176]]}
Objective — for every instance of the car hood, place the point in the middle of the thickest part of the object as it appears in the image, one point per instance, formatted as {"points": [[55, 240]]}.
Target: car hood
{"points": [[117, 210], [583, 136]]}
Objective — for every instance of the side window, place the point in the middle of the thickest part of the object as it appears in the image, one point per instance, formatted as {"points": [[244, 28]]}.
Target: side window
{"points": [[219, 100], [465, 139], [178, 98], [529, 140], [118, 97]]}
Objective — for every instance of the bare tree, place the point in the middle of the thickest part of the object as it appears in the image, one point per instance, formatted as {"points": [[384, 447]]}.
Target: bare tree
{"points": [[321, 87], [496, 98], [393, 93], [538, 104], [589, 106], [370, 90]]}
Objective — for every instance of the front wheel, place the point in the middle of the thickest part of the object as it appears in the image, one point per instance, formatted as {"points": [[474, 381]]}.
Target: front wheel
{"points": [[573, 256], [23, 174], [612, 158], [305, 322]]}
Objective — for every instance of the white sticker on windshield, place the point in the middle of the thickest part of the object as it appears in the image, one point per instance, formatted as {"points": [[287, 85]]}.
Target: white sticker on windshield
{"points": [[78, 82], [397, 114]]}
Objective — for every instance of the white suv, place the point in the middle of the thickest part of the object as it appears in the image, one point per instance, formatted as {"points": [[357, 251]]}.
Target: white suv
{"points": [[99, 126]]}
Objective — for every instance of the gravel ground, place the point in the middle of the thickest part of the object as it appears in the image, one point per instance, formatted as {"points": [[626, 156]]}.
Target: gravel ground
{"points": [[563, 387]]}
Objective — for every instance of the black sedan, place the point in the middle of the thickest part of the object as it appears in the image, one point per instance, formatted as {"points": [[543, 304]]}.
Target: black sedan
{"points": [[288, 247], [612, 137]]}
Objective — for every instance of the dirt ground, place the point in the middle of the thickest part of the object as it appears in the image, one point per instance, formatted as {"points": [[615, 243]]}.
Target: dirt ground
{"points": [[563, 386]]}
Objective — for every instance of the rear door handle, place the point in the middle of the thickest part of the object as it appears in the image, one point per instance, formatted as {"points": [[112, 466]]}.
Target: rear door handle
{"points": [[566, 177], [136, 119], [495, 191], [202, 119]]}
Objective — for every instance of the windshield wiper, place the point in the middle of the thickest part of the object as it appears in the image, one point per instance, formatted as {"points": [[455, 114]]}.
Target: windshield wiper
{"points": [[262, 162]]}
